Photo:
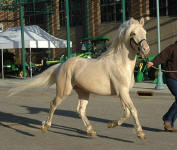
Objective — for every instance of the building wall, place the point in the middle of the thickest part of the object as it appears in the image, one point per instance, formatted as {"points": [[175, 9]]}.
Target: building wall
{"points": [[168, 32], [95, 17], [11, 19], [76, 37], [139, 8]]}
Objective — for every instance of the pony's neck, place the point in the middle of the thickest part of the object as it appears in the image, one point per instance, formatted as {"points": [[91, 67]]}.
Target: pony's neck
{"points": [[124, 53], [120, 49], [121, 54], [113, 48]]}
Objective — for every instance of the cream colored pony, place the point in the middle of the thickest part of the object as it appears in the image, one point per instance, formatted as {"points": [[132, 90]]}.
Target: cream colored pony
{"points": [[110, 74]]}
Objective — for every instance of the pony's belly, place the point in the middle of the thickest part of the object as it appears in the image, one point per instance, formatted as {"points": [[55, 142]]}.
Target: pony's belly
{"points": [[96, 90], [96, 87], [92, 77]]}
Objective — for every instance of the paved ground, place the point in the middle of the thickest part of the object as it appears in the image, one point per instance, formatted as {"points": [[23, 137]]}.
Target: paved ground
{"points": [[21, 116]]}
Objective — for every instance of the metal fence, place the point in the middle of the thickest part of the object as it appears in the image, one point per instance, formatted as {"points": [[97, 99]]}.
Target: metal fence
{"points": [[92, 18]]}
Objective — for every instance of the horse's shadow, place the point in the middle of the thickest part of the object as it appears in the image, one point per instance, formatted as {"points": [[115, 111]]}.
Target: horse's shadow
{"points": [[65, 113], [144, 128], [68, 113], [10, 120], [82, 134]]}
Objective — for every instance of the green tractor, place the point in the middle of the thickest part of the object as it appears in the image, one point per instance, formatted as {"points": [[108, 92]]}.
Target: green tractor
{"points": [[9, 66], [95, 45]]}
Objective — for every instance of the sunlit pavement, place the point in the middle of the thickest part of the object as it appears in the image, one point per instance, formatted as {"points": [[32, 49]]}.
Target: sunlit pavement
{"points": [[21, 116]]}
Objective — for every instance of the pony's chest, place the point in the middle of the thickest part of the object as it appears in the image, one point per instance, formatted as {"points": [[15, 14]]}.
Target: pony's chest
{"points": [[122, 77]]}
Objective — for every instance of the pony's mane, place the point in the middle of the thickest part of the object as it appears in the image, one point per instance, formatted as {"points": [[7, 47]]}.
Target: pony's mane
{"points": [[116, 43]]}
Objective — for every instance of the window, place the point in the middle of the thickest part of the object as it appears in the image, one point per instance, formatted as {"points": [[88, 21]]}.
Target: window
{"points": [[172, 7], [75, 11], [111, 10], [62, 12], [38, 14], [166, 8]]}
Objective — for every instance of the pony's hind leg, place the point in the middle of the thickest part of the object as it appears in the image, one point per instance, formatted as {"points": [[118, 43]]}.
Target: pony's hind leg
{"points": [[81, 109], [53, 105], [64, 88], [123, 119]]}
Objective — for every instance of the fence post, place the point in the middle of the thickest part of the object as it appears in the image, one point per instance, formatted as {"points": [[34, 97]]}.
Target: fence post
{"points": [[159, 84], [22, 39], [123, 10], [67, 28]]}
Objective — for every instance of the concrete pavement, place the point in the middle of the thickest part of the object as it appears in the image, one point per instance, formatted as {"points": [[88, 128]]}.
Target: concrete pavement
{"points": [[21, 116]]}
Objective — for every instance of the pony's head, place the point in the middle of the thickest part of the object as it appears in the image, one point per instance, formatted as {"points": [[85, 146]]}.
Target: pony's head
{"points": [[135, 36]]}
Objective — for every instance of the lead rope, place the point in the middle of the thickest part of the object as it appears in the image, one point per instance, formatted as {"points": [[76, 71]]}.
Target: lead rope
{"points": [[162, 70]]}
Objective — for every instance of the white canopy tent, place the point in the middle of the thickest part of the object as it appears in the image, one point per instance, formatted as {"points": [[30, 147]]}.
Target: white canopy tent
{"points": [[34, 37]]}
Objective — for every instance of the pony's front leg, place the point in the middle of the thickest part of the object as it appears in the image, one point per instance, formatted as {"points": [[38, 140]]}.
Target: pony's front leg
{"points": [[82, 112], [81, 109], [126, 114], [78, 106], [124, 94], [53, 105], [123, 119]]}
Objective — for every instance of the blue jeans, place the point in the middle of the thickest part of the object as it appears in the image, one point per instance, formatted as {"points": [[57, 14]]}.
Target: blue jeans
{"points": [[171, 115]]}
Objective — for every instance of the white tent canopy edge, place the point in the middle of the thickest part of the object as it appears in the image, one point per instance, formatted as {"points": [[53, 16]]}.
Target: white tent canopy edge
{"points": [[34, 37]]}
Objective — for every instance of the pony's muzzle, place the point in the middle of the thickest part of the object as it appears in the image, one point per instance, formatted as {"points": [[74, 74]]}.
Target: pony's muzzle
{"points": [[144, 47]]}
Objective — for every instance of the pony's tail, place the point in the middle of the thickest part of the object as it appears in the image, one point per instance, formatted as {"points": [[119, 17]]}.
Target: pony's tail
{"points": [[45, 79]]}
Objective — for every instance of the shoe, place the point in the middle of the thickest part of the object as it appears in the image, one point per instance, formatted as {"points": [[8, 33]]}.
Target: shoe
{"points": [[167, 127]]}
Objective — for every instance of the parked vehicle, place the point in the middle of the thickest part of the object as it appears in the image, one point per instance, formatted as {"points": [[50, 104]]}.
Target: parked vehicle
{"points": [[9, 66], [95, 45]]}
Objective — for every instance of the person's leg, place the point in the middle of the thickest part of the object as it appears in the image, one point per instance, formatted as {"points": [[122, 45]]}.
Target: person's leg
{"points": [[171, 115], [174, 119]]}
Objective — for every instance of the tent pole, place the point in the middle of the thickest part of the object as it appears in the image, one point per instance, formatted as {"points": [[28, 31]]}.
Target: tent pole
{"points": [[2, 63], [30, 65]]}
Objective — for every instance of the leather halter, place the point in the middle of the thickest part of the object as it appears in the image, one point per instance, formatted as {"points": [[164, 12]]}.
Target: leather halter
{"points": [[137, 44]]}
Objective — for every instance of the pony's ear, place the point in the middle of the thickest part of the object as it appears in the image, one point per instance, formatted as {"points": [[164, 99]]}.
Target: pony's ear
{"points": [[142, 21], [132, 20]]}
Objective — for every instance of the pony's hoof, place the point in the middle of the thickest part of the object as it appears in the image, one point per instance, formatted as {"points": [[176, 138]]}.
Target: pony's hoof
{"points": [[141, 135], [119, 123], [92, 134], [44, 127], [112, 124], [91, 131]]}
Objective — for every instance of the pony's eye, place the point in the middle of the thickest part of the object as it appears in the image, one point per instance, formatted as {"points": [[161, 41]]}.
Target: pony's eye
{"points": [[132, 34]]}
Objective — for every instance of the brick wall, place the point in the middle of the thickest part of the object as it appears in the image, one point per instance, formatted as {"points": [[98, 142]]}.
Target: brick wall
{"points": [[140, 8], [9, 19], [95, 17]]}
